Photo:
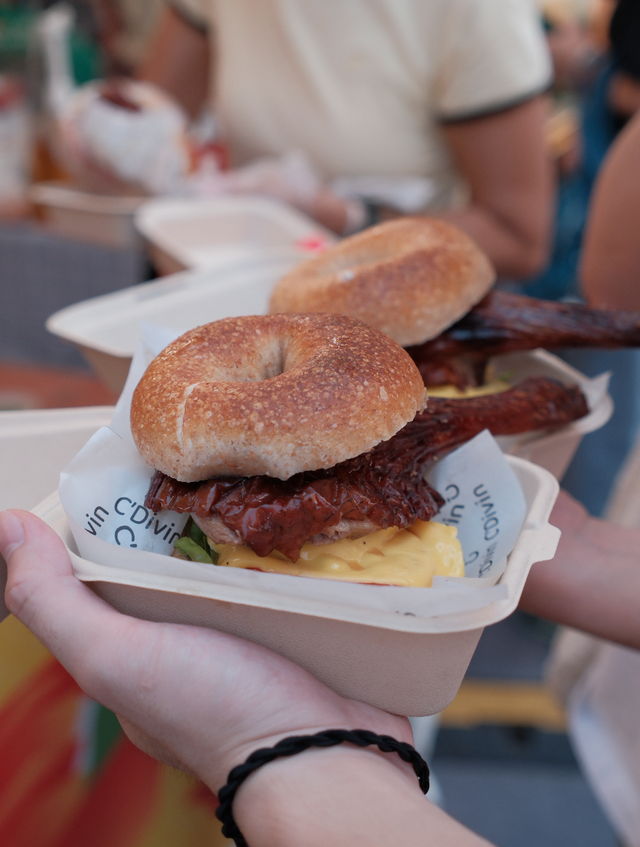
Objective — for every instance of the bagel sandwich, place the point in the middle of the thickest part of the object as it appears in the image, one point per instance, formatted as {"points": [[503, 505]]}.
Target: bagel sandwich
{"points": [[298, 444], [428, 285], [276, 434]]}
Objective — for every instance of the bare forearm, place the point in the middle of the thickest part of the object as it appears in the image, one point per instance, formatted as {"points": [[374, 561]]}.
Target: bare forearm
{"points": [[592, 584], [342, 796], [513, 253], [504, 161], [610, 267]]}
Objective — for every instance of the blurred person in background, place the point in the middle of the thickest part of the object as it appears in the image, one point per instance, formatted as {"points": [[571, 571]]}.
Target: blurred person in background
{"points": [[390, 106], [595, 47], [598, 681]]}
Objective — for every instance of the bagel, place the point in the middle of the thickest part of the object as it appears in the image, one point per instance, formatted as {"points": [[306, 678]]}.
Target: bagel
{"points": [[411, 278], [272, 395]]}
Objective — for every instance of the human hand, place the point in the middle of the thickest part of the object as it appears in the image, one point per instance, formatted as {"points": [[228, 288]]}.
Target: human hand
{"points": [[194, 698], [292, 179]]}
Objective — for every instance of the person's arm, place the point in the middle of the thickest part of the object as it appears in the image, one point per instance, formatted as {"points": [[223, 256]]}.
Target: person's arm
{"points": [[593, 582], [342, 796], [504, 160], [202, 701], [610, 265], [178, 61]]}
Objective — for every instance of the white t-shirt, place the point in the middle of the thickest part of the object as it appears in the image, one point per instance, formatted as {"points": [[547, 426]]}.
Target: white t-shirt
{"points": [[361, 86], [604, 721]]}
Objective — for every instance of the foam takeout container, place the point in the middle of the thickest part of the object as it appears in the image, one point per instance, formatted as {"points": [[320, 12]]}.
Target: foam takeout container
{"points": [[404, 663], [194, 233], [35, 446], [105, 219], [108, 329]]}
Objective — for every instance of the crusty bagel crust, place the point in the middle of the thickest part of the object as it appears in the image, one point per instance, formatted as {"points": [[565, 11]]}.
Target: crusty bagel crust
{"points": [[272, 395], [410, 278]]}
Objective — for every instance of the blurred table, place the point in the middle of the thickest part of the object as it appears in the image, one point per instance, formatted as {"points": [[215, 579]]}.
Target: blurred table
{"points": [[40, 273]]}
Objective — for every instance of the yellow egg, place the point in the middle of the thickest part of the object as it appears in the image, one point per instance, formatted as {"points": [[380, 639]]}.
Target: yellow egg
{"points": [[409, 557]]}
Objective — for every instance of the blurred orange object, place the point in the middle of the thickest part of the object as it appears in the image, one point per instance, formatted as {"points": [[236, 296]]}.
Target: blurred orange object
{"points": [[68, 775]]}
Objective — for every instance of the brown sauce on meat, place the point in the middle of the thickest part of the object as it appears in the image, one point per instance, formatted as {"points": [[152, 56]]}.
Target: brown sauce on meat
{"points": [[504, 322], [384, 486]]}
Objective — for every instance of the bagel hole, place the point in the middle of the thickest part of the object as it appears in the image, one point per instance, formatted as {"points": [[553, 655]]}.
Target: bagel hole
{"points": [[268, 361]]}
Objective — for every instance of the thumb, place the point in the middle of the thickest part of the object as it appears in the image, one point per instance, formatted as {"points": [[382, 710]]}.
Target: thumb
{"points": [[42, 591]]}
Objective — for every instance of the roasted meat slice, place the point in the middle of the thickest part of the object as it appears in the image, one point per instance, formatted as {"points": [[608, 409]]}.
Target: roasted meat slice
{"points": [[503, 322], [382, 488]]}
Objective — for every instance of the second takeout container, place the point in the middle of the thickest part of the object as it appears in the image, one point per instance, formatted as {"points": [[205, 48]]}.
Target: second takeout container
{"points": [[209, 232], [553, 450], [406, 664], [105, 219], [107, 329]]}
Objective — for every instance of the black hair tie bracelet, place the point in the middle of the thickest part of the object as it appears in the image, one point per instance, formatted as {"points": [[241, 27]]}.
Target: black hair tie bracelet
{"points": [[297, 744]]}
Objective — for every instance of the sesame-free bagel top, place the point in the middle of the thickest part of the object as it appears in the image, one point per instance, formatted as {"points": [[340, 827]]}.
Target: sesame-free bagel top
{"points": [[273, 395], [410, 277]]}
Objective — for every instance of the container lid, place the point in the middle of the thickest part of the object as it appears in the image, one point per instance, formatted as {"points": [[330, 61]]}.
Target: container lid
{"points": [[35, 445], [111, 323], [202, 232], [64, 196]]}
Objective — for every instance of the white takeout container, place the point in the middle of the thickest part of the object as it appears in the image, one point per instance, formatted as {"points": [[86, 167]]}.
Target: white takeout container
{"points": [[106, 219], [34, 447], [405, 664], [211, 232], [107, 328]]}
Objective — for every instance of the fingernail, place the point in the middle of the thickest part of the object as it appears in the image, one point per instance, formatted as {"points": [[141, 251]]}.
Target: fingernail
{"points": [[11, 534]]}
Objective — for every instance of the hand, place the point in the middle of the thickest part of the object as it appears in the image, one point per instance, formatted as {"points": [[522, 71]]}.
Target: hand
{"points": [[191, 697], [293, 180]]}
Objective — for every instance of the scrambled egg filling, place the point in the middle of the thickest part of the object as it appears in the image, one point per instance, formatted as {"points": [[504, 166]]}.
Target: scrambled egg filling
{"points": [[453, 393], [409, 557]]}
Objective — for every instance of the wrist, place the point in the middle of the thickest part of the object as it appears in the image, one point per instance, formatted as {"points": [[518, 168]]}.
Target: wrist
{"points": [[322, 794]]}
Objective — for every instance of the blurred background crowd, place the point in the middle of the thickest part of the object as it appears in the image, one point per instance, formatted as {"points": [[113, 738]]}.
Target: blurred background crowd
{"points": [[520, 106]]}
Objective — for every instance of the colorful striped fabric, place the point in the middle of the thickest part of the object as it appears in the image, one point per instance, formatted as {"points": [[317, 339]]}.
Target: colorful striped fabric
{"points": [[68, 775]]}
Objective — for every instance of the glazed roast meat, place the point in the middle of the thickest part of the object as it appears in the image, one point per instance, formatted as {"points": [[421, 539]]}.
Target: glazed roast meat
{"points": [[504, 322], [381, 488]]}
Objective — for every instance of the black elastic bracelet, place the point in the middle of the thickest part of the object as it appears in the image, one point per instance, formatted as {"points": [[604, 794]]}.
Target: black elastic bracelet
{"points": [[296, 744]]}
